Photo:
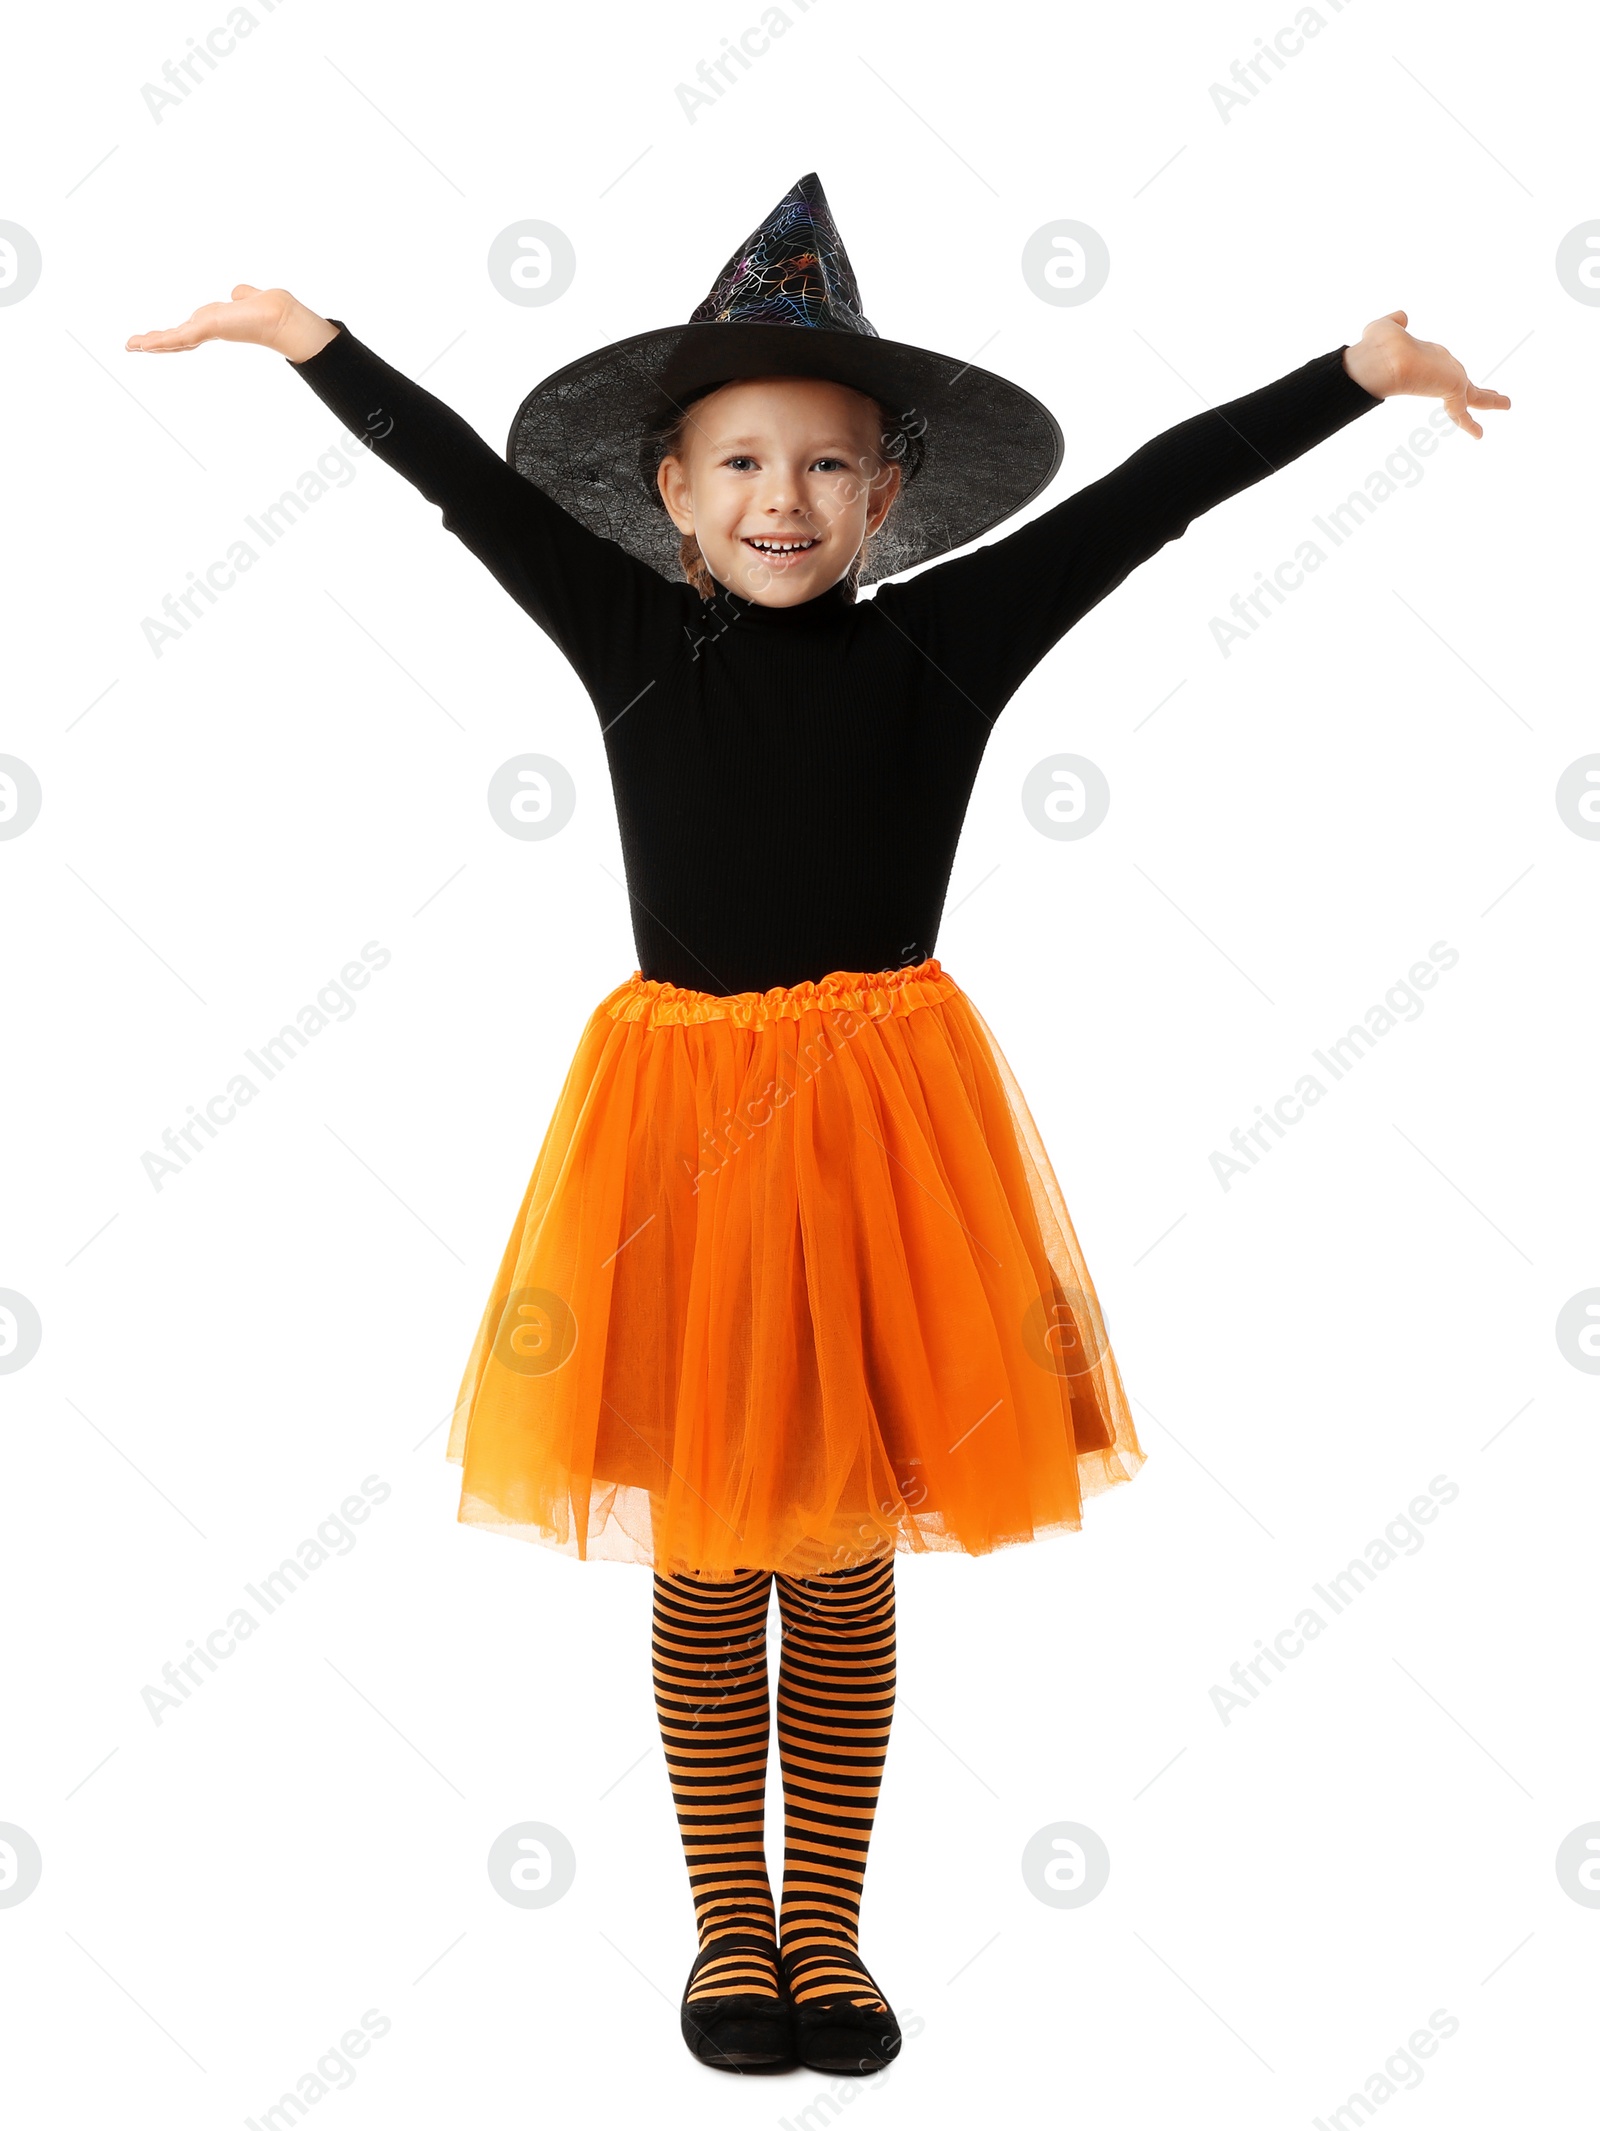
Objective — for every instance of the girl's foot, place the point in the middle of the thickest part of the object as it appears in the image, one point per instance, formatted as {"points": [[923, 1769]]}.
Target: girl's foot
{"points": [[737, 2013], [842, 2021]]}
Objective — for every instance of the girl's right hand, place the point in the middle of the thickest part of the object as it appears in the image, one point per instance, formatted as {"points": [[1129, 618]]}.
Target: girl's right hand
{"points": [[269, 318]]}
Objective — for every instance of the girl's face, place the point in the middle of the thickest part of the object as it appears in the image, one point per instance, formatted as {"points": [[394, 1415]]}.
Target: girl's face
{"points": [[781, 481]]}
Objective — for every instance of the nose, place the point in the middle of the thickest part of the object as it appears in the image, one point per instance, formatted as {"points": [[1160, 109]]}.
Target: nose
{"points": [[783, 499]]}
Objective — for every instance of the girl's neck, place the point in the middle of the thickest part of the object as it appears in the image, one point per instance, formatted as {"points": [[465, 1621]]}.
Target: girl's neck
{"points": [[826, 607]]}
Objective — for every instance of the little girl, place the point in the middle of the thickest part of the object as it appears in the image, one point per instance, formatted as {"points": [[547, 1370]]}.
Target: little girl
{"points": [[793, 1287]]}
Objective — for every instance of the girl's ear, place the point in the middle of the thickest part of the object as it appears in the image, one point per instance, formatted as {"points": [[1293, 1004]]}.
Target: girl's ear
{"points": [[673, 483], [885, 488]]}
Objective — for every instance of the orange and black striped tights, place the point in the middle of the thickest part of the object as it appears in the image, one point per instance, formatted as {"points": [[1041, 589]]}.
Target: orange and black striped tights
{"points": [[836, 1683]]}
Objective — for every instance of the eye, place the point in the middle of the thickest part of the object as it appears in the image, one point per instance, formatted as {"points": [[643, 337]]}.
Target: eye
{"points": [[827, 465], [739, 460]]}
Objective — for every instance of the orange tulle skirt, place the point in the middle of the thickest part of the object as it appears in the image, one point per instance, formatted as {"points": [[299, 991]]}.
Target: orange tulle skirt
{"points": [[792, 1286]]}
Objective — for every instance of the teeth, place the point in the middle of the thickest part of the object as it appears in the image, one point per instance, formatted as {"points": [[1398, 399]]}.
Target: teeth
{"points": [[782, 547]]}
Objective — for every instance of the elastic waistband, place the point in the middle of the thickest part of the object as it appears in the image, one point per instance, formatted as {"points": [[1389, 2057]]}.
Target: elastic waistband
{"points": [[878, 994]]}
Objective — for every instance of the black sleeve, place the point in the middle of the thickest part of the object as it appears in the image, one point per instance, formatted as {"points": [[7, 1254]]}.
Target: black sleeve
{"points": [[986, 619], [613, 616]]}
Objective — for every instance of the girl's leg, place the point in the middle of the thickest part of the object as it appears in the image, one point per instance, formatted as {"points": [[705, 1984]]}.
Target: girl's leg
{"points": [[709, 1654], [835, 1702]]}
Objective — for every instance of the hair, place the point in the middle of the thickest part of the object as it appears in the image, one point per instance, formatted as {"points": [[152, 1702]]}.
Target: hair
{"points": [[900, 439]]}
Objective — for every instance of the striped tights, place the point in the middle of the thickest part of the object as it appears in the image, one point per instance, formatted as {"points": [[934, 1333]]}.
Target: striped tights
{"points": [[836, 1683]]}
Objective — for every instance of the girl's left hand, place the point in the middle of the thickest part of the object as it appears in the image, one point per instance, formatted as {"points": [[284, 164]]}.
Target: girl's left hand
{"points": [[1386, 361]]}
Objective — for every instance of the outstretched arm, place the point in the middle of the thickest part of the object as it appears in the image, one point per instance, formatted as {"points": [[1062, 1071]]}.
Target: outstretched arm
{"points": [[986, 619], [609, 613]]}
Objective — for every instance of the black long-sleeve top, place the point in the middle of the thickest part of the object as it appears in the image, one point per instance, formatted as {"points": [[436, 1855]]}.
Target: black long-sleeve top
{"points": [[791, 782]]}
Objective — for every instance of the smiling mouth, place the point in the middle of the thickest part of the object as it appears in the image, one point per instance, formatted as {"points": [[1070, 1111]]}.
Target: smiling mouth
{"points": [[781, 551]]}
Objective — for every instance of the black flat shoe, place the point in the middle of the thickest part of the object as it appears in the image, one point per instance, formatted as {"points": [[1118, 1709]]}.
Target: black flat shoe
{"points": [[831, 2034], [742, 2031]]}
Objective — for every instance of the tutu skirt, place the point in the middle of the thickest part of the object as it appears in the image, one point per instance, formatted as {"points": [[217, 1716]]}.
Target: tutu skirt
{"points": [[792, 1286]]}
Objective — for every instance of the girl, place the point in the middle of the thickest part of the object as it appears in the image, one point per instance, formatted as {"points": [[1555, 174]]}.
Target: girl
{"points": [[793, 1287]]}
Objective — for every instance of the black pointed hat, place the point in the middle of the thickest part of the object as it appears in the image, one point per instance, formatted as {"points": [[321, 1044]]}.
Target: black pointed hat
{"points": [[974, 447]]}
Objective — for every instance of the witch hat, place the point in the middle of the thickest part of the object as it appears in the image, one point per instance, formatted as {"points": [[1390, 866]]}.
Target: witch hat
{"points": [[975, 447]]}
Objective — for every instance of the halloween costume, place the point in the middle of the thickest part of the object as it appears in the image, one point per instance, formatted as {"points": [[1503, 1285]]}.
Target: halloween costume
{"points": [[787, 304], [793, 1285]]}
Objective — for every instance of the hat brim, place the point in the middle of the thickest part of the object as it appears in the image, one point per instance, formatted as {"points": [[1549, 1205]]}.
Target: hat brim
{"points": [[581, 435]]}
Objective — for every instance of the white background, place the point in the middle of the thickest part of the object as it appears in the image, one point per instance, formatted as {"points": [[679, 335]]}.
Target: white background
{"points": [[1292, 1893]]}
